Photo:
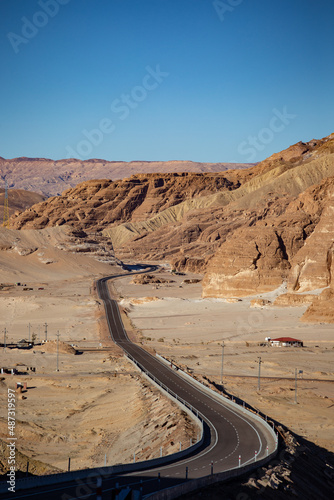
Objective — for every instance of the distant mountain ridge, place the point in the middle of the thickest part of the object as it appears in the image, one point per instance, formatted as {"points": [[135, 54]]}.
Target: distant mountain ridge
{"points": [[50, 178]]}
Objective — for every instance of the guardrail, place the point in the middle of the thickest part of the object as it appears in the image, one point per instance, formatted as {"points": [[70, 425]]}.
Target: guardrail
{"points": [[195, 484], [186, 406], [193, 413], [263, 419]]}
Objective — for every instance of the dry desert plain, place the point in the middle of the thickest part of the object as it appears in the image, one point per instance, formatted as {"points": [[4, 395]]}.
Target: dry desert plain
{"points": [[97, 404], [97, 407], [174, 320]]}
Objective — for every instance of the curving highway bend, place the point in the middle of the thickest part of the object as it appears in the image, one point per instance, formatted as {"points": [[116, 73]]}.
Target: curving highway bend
{"points": [[229, 433]]}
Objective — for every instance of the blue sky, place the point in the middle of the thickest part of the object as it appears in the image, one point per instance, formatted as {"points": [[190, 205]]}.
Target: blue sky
{"points": [[201, 80]]}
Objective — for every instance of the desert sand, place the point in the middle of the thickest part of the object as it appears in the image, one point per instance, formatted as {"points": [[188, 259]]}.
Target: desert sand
{"points": [[96, 409]]}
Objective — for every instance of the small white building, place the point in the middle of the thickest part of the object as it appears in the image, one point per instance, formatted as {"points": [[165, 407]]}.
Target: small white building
{"points": [[286, 342]]}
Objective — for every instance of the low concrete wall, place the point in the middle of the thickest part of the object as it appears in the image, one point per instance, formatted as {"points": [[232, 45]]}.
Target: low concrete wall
{"points": [[195, 484]]}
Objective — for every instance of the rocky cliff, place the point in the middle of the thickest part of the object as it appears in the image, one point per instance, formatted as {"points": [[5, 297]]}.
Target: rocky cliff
{"points": [[294, 246], [101, 203]]}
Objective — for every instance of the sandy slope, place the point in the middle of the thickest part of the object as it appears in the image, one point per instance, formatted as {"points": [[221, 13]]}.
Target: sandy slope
{"points": [[38, 256], [59, 283], [96, 404]]}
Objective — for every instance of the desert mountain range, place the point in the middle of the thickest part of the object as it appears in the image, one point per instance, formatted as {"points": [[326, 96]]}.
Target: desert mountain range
{"points": [[50, 178], [248, 230]]}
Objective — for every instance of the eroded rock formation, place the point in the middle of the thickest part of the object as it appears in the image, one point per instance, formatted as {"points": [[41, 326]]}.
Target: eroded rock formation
{"points": [[100, 203], [248, 230]]}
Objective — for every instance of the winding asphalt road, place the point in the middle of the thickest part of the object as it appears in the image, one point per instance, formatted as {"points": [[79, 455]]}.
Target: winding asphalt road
{"points": [[228, 433], [231, 433]]}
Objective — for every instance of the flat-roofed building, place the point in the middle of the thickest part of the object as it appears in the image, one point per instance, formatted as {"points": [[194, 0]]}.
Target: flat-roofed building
{"points": [[286, 342]]}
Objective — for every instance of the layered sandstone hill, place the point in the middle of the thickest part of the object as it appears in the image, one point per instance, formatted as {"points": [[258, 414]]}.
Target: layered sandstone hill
{"points": [[98, 204], [191, 232], [51, 178], [293, 244], [247, 230]]}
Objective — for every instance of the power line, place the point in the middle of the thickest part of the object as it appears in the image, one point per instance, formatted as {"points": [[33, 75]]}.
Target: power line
{"points": [[222, 366], [58, 335]]}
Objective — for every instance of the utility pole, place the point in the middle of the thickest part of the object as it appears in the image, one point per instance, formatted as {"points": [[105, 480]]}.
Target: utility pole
{"points": [[296, 402], [46, 331], [4, 340], [29, 333], [222, 367], [6, 207], [57, 370], [259, 377]]}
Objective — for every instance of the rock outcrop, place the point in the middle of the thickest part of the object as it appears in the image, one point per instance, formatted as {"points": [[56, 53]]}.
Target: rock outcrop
{"points": [[99, 203], [322, 308], [149, 279], [295, 246], [294, 299], [312, 266]]}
